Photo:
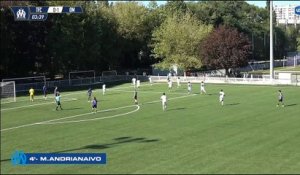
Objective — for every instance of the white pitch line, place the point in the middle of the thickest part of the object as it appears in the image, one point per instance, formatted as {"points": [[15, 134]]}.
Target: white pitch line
{"points": [[74, 93], [49, 121], [35, 98], [98, 118], [73, 116], [21, 126], [6, 109]]}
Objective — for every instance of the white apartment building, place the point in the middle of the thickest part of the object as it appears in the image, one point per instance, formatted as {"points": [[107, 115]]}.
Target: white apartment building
{"points": [[286, 15]]}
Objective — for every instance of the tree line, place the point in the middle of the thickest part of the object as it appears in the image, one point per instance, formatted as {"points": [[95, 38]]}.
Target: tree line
{"points": [[128, 35]]}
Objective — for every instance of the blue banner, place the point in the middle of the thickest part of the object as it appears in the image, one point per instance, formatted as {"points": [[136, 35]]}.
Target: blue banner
{"points": [[23, 13], [21, 158], [38, 17], [38, 9], [297, 10], [72, 10]]}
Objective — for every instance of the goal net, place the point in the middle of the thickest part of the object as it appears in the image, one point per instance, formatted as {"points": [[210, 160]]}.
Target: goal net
{"points": [[109, 73], [25, 83], [82, 74], [78, 78], [8, 92]]}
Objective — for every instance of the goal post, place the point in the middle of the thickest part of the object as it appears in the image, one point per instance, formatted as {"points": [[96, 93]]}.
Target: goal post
{"points": [[8, 91]]}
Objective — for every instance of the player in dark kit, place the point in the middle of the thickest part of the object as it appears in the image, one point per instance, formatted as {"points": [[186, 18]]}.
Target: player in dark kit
{"points": [[135, 97], [94, 105], [89, 94], [58, 101], [280, 98], [45, 91]]}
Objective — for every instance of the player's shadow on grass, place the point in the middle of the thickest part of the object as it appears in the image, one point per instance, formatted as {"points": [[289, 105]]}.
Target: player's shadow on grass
{"points": [[232, 104], [290, 105], [66, 109], [5, 160], [117, 141], [176, 109]]}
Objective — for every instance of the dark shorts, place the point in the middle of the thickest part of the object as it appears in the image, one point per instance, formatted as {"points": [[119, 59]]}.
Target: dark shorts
{"points": [[280, 100], [94, 106], [58, 102]]}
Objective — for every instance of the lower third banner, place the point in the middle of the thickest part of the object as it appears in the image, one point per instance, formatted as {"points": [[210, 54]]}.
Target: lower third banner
{"points": [[21, 158]]}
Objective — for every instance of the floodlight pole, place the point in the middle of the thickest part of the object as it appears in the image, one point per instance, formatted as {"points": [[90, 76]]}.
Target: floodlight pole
{"points": [[271, 41]]}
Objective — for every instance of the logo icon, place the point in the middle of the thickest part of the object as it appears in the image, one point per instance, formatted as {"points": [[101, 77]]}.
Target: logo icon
{"points": [[71, 9], [297, 10], [21, 14], [18, 158]]}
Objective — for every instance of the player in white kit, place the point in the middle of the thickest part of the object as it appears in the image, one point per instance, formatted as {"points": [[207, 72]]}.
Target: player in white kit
{"points": [[221, 97], [170, 84], [150, 81], [189, 87], [202, 88], [134, 82], [164, 101], [103, 89], [178, 82]]}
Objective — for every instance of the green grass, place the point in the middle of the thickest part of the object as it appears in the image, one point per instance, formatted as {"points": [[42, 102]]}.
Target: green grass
{"points": [[267, 71], [195, 135]]}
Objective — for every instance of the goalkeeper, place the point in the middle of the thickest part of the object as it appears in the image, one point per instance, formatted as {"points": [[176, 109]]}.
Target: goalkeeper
{"points": [[31, 94]]}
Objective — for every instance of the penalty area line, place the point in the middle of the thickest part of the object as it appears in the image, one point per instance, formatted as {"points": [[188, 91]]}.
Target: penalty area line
{"points": [[99, 118], [26, 106]]}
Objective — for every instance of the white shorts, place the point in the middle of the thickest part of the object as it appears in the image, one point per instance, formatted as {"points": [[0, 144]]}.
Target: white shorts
{"points": [[202, 89], [221, 99]]}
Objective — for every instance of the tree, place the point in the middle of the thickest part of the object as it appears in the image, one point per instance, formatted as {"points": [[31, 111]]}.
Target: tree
{"points": [[177, 40], [292, 34], [178, 7], [248, 19], [132, 28], [298, 44], [225, 48], [131, 19]]}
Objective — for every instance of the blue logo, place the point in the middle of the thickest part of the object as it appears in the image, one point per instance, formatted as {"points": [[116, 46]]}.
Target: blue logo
{"points": [[18, 158], [297, 10]]}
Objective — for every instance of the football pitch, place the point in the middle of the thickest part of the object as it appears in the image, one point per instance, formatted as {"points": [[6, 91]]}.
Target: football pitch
{"points": [[249, 134]]}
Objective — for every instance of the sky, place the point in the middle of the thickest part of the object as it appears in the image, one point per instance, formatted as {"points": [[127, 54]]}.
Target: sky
{"points": [[263, 3], [256, 3]]}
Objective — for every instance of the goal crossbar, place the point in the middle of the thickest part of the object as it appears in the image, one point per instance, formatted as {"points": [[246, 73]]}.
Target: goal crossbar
{"points": [[24, 78]]}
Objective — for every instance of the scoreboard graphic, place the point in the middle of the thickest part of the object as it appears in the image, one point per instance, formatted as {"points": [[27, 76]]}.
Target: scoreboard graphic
{"points": [[24, 13]]}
